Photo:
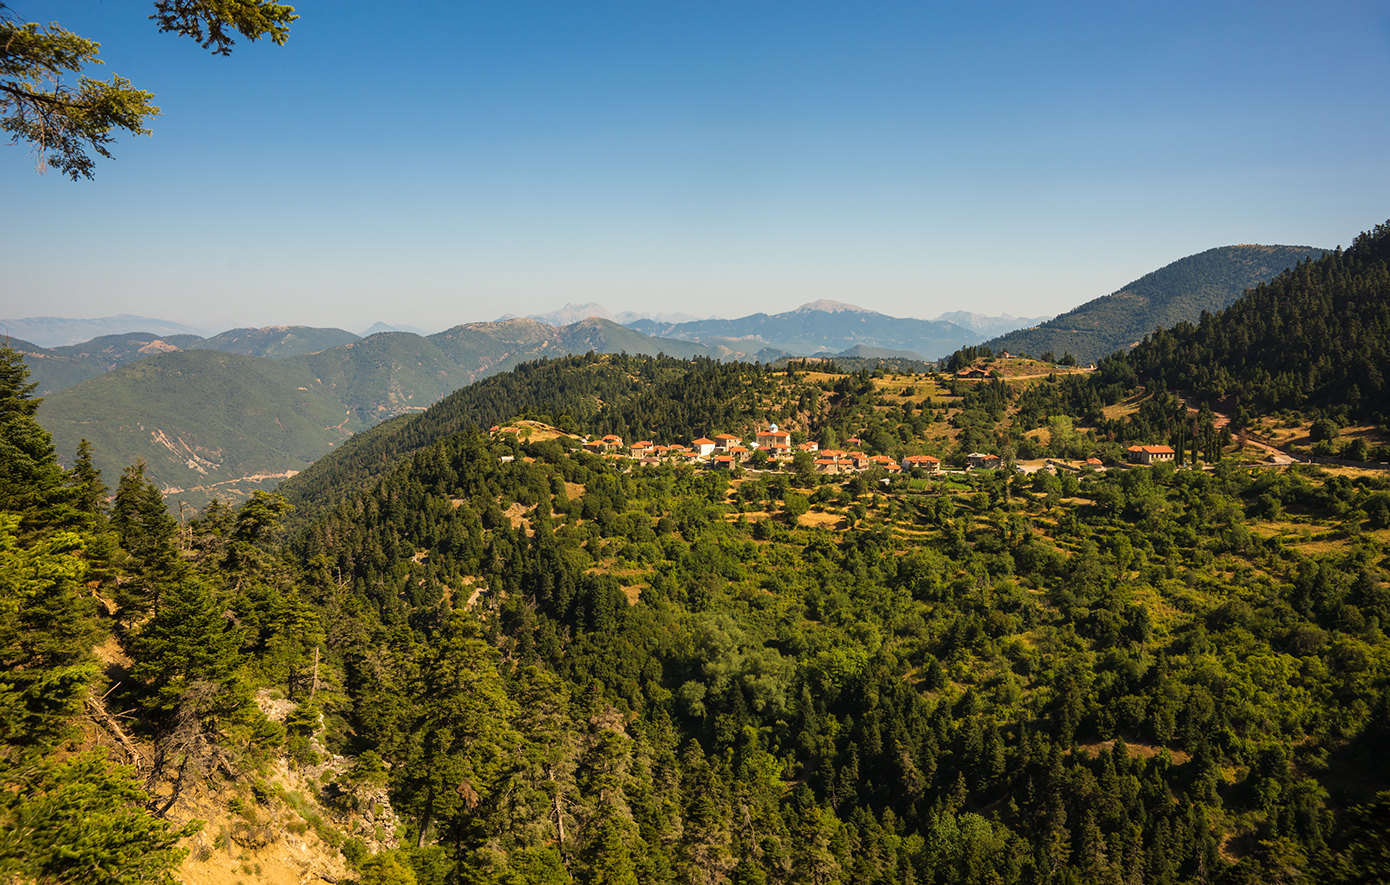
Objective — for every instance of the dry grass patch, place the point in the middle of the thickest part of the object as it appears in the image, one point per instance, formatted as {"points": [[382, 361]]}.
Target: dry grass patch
{"points": [[820, 520], [1122, 409], [1135, 748]]}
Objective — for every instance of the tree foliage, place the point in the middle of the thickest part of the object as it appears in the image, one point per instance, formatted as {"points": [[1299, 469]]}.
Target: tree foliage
{"points": [[64, 123]]}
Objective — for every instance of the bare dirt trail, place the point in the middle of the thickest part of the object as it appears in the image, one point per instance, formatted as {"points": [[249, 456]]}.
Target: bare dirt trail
{"points": [[1222, 420]]}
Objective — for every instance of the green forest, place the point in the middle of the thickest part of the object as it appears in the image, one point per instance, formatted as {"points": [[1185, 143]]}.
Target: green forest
{"points": [[1181, 291], [559, 667]]}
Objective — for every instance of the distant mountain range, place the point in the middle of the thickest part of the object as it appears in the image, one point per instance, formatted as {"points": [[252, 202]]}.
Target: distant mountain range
{"points": [[57, 368], [237, 411], [1181, 291], [988, 325], [60, 331], [822, 328], [573, 313], [809, 330], [211, 422], [383, 327]]}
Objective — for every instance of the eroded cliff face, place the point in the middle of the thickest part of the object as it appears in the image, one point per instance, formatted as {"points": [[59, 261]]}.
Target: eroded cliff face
{"points": [[285, 823]]}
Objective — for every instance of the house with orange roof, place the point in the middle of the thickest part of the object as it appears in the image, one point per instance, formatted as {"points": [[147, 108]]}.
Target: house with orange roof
{"points": [[983, 461], [834, 466], [703, 445], [725, 441], [722, 462], [1151, 454], [926, 462]]}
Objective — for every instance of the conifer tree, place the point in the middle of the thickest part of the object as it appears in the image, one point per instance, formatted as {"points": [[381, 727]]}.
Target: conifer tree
{"points": [[86, 480]]}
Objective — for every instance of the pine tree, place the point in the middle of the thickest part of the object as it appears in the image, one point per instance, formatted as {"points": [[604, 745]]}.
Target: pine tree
{"points": [[32, 483], [86, 480]]}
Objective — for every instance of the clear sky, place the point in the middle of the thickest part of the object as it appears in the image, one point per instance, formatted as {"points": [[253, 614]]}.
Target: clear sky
{"points": [[435, 163]]}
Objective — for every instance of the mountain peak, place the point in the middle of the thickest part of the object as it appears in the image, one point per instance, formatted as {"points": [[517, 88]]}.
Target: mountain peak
{"points": [[573, 313], [828, 306]]}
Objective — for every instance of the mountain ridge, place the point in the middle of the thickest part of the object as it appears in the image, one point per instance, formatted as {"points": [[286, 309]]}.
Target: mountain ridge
{"points": [[210, 422], [61, 331], [1178, 291], [819, 327]]}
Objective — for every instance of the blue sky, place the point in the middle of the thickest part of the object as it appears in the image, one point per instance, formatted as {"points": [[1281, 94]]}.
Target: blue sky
{"points": [[450, 162]]}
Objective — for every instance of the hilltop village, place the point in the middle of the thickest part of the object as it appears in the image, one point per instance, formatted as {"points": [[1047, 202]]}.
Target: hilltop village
{"points": [[773, 447], [770, 447]]}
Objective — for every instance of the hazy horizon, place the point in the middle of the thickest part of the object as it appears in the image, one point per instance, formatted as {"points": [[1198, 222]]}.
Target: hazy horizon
{"points": [[712, 159]]}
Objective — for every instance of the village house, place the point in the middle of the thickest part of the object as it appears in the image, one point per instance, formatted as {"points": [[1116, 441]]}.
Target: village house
{"points": [[1151, 454], [609, 443], [726, 441], [926, 462], [833, 466], [703, 446], [982, 461]]}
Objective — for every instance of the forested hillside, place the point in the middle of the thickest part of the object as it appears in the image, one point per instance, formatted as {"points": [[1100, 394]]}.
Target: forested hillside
{"points": [[498, 657], [58, 368], [1316, 338], [95, 753], [275, 342], [562, 667], [1179, 292], [211, 423], [665, 675]]}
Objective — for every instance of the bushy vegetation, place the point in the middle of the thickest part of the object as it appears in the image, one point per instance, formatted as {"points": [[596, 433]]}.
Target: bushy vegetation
{"points": [[1033, 679], [564, 667]]}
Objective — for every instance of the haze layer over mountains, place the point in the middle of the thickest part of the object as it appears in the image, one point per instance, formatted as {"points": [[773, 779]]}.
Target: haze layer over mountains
{"points": [[224, 415]]}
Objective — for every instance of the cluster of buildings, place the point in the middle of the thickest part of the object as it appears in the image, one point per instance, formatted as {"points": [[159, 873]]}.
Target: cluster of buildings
{"points": [[726, 451]]}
